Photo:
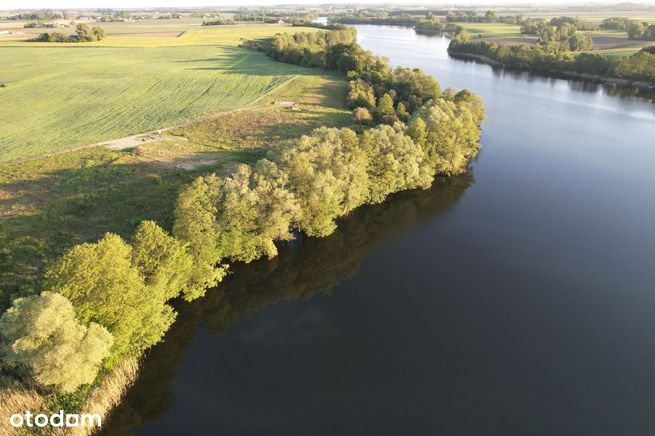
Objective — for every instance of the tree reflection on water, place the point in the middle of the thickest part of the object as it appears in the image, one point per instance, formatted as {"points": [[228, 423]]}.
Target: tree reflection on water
{"points": [[304, 268]]}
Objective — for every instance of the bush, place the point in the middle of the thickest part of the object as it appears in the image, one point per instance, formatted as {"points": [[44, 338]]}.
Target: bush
{"points": [[41, 332], [362, 115], [51, 37], [83, 33]]}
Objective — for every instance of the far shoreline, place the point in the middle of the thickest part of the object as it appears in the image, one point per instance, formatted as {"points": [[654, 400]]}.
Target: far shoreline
{"points": [[591, 78]]}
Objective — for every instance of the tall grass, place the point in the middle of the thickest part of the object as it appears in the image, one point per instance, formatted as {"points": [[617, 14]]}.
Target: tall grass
{"points": [[17, 397], [106, 395]]}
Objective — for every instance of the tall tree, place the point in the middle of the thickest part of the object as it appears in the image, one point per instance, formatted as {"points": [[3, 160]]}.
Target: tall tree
{"points": [[195, 224], [163, 261], [104, 287]]}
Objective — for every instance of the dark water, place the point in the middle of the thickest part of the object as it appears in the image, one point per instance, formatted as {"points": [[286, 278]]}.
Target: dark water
{"points": [[518, 299]]}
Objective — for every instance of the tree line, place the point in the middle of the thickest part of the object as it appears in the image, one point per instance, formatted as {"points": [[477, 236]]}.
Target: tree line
{"points": [[83, 33], [556, 58], [635, 29], [643, 30], [104, 301], [424, 23]]}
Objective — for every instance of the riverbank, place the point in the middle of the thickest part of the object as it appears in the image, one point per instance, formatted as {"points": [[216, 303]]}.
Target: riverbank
{"points": [[126, 297], [562, 162], [646, 86]]}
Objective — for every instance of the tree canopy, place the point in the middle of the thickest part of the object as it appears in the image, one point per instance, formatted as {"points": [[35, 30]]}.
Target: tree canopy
{"points": [[42, 333]]}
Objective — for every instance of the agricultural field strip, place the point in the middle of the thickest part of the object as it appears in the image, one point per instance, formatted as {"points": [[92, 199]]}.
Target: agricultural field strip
{"points": [[96, 103]]}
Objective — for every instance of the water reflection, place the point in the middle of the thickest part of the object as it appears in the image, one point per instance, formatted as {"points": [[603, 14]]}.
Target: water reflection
{"points": [[586, 86], [308, 267]]}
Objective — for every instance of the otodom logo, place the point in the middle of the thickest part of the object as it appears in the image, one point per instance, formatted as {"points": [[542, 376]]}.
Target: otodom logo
{"points": [[59, 419]]}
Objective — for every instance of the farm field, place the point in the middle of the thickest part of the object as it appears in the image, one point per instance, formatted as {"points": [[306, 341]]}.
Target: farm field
{"points": [[495, 30], [114, 28], [604, 40], [593, 16], [50, 203], [68, 95]]}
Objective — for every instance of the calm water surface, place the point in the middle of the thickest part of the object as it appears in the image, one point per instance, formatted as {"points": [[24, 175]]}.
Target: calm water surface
{"points": [[516, 299]]}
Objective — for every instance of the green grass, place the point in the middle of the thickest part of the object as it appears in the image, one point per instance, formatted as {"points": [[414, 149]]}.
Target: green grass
{"points": [[59, 96], [492, 29], [50, 203]]}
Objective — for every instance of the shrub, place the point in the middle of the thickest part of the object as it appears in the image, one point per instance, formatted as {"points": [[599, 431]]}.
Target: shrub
{"points": [[41, 332], [362, 115]]}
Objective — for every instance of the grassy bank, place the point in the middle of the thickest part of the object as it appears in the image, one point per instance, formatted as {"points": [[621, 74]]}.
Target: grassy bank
{"points": [[116, 292], [47, 205], [51, 203]]}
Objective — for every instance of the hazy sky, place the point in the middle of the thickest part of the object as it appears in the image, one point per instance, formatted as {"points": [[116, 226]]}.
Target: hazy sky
{"points": [[57, 4]]}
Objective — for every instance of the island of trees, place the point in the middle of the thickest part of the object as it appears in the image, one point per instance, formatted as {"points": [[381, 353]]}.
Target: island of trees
{"points": [[106, 302]]}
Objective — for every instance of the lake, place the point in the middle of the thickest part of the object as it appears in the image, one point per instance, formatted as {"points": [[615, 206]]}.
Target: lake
{"points": [[516, 299]]}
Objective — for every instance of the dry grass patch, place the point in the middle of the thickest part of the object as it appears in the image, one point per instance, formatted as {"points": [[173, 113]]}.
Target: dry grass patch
{"points": [[16, 397], [107, 394]]}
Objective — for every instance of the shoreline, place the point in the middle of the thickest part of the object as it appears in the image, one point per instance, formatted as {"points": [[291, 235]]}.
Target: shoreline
{"points": [[591, 78]]}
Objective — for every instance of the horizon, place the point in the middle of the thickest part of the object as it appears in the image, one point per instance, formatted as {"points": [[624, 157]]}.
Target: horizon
{"points": [[154, 4]]}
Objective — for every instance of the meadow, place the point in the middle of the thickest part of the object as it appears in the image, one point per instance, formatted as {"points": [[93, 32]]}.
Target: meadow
{"points": [[496, 30], [48, 204], [67, 95], [56, 192]]}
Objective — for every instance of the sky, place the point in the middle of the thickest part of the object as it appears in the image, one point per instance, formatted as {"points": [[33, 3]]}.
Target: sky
{"points": [[70, 4]]}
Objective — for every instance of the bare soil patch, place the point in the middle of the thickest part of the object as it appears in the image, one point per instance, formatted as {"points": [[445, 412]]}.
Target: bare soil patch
{"points": [[610, 42]]}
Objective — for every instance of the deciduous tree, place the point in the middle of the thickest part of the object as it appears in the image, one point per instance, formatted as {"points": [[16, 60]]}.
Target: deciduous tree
{"points": [[41, 332]]}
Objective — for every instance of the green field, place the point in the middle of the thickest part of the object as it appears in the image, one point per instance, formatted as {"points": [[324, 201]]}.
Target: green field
{"points": [[492, 29], [48, 204], [59, 96]]}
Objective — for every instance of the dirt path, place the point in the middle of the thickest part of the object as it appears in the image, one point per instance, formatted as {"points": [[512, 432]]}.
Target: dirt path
{"points": [[132, 141]]}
